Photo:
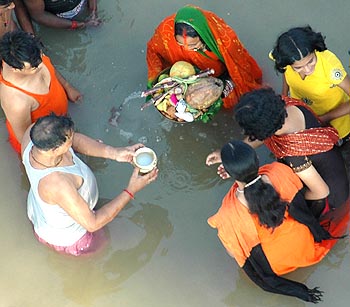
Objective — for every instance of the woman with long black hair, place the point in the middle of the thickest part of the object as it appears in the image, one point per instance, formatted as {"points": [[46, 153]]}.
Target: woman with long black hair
{"points": [[265, 224]]}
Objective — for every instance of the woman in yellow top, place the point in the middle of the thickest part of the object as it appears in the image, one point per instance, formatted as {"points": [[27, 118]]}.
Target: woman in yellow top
{"points": [[315, 75]]}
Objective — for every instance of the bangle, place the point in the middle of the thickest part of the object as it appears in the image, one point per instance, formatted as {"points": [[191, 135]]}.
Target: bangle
{"points": [[74, 25], [129, 193]]}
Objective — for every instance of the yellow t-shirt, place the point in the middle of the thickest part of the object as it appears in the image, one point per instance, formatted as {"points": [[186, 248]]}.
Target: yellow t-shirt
{"points": [[319, 90]]}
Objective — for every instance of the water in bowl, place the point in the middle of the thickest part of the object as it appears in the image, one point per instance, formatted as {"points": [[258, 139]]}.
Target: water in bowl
{"points": [[144, 159]]}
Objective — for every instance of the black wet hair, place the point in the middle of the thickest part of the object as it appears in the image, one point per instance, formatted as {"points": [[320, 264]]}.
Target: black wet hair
{"points": [[17, 47], [260, 113], [241, 163], [182, 28], [5, 2], [51, 131], [296, 44]]}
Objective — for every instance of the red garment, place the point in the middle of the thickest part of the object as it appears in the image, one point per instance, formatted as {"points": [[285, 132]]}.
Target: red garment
{"points": [[54, 101], [89, 243], [288, 246], [306, 142], [163, 51]]}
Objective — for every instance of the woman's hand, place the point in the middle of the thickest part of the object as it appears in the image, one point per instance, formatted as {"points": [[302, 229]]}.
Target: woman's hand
{"points": [[324, 119], [222, 172], [213, 158]]}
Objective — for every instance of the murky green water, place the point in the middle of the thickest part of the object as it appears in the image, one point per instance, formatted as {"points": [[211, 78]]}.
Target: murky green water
{"points": [[161, 250]]}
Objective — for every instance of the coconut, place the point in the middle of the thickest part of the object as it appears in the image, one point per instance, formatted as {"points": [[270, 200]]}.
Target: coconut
{"points": [[182, 69], [204, 92]]}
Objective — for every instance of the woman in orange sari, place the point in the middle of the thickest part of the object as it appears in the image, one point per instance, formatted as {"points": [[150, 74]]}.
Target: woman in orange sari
{"points": [[203, 39], [266, 225]]}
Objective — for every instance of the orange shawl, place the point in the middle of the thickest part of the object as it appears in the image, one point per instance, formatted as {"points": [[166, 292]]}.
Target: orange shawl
{"points": [[163, 51], [289, 246]]}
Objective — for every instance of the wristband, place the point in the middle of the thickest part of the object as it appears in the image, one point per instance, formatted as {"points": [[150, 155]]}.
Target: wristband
{"points": [[129, 193], [74, 25]]}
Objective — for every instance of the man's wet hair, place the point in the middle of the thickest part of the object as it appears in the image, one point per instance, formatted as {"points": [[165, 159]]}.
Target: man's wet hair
{"points": [[18, 47], [51, 131]]}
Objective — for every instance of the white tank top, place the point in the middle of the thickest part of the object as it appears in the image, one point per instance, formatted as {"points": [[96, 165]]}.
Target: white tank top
{"points": [[51, 222]]}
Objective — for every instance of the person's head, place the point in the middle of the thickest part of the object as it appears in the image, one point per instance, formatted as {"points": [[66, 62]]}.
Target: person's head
{"points": [[241, 163], [296, 47], [260, 113], [51, 131], [191, 28], [186, 36], [21, 50]]}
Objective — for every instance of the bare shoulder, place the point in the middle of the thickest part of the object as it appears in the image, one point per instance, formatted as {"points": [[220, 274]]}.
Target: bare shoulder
{"points": [[295, 121], [8, 92], [15, 99], [56, 187]]}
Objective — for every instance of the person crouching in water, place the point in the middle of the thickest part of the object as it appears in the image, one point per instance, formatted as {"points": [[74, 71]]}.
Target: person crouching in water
{"points": [[264, 223], [63, 190]]}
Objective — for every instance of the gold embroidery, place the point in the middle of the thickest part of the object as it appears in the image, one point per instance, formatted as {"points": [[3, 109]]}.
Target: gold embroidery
{"points": [[302, 167]]}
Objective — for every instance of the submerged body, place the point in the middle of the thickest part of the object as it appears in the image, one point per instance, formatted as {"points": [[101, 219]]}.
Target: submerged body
{"points": [[283, 246], [52, 224], [63, 190], [266, 253]]}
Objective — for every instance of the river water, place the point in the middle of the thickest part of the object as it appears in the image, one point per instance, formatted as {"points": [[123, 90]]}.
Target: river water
{"points": [[161, 250]]}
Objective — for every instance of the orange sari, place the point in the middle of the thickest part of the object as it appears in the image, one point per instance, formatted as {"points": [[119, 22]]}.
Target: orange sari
{"points": [[290, 245], [163, 51]]}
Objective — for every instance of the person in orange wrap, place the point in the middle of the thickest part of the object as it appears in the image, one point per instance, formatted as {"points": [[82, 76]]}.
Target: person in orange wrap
{"points": [[30, 87], [266, 225], [203, 39], [296, 137]]}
